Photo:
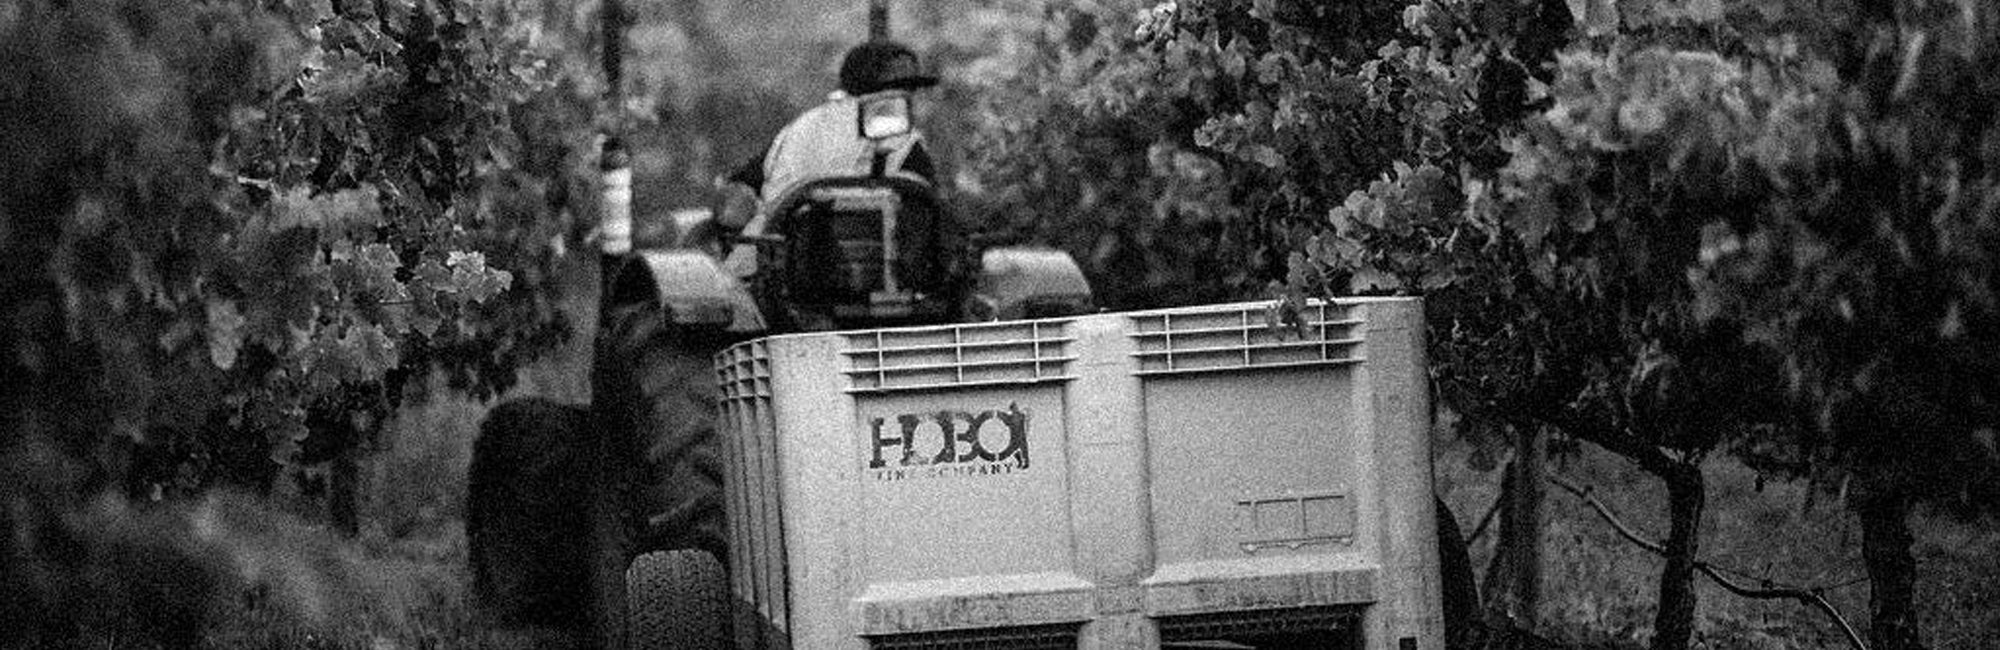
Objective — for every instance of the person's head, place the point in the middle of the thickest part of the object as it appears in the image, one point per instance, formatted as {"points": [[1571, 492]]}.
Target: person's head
{"points": [[880, 65]]}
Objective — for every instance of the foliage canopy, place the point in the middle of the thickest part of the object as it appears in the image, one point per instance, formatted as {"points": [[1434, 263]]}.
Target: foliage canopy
{"points": [[221, 216]]}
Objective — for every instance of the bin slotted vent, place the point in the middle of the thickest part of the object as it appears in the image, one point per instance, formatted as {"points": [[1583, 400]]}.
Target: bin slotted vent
{"points": [[1333, 627], [982, 354], [1242, 337], [1059, 636]]}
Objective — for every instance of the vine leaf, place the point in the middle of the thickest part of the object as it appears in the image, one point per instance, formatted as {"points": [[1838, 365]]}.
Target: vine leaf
{"points": [[225, 333], [1372, 280], [1597, 17], [367, 271], [433, 276], [471, 279], [367, 352]]}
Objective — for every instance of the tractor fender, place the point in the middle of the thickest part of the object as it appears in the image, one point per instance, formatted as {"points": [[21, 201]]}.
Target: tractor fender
{"points": [[692, 287], [1028, 282]]}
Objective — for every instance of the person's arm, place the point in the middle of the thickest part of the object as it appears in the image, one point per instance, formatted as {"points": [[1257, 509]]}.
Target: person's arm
{"points": [[919, 163], [740, 189], [751, 173], [739, 205]]}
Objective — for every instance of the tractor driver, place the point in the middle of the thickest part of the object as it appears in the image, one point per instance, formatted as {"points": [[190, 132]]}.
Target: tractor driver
{"points": [[825, 143]]}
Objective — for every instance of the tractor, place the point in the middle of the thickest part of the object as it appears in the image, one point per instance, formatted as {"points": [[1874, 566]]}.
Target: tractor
{"points": [[564, 497]]}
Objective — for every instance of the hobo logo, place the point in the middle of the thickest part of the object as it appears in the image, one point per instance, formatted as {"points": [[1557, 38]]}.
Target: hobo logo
{"points": [[900, 448]]}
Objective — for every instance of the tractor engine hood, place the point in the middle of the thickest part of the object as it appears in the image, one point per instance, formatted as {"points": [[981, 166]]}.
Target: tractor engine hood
{"points": [[695, 290]]}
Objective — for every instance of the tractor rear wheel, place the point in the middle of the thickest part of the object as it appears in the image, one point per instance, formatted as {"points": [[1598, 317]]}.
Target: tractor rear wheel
{"points": [[656, 394]]}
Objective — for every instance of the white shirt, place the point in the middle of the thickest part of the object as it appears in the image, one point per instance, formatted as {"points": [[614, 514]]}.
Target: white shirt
{"points": [[824, 142]]}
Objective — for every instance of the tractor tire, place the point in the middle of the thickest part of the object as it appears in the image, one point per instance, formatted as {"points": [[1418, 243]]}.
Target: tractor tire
{"points": [[656, 471], [677, 599], [656, 392], [1459, 588], [524, 514]]}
